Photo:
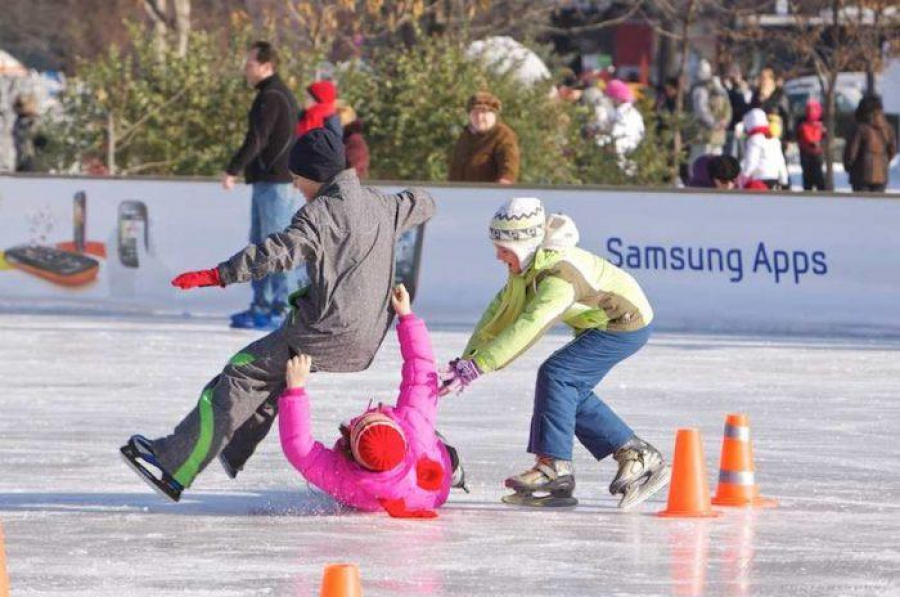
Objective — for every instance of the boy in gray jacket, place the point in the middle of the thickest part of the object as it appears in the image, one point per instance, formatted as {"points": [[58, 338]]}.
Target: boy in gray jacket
{"points": [[345, 235]]}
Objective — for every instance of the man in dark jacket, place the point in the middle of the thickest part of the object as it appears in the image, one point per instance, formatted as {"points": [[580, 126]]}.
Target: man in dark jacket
{"points": [[770, 97], [263, 159], [346, 236]]}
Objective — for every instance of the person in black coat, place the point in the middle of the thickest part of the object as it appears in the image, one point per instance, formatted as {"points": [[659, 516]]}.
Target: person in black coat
{"points": [[263, 159]]}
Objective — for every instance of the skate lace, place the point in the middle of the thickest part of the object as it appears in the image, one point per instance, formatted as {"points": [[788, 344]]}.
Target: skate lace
{"points": [[544, 466], [630, 457]]}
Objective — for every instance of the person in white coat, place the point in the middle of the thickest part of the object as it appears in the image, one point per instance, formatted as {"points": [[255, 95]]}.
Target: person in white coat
{"points": [[763, 159], [624, 126]]}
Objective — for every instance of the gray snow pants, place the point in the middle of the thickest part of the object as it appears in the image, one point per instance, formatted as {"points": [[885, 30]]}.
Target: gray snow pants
{"points": [[235, 412]]}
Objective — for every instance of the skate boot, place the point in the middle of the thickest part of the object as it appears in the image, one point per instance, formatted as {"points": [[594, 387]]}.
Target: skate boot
{"points": [[458, 478], [550, 483], [251, 319], [277, 317], [138, 454], [642, 472]]}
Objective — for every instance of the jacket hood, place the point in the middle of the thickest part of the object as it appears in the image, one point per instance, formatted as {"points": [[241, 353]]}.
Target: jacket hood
{"points": [[813, 111], [323, 91], [704, 71], [755, 119], [561, 233]]}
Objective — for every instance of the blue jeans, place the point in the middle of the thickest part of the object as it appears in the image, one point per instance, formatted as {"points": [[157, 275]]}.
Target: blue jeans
{"points": [[273, 205], [565, 404]]}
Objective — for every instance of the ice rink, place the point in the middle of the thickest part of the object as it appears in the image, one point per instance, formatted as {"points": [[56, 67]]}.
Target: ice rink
{"points": [[824, 415]]}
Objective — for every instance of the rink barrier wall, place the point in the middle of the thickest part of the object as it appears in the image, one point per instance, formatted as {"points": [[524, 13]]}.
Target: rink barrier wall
{"points": [[710, 261]]}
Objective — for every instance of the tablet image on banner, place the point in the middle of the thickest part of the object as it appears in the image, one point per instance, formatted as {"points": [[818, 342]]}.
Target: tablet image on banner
{"points": [[133, 229], [79, 221], [53, 265], [408, 257]]}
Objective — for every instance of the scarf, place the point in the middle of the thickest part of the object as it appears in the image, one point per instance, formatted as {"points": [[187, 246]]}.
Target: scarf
{"points": [[761, 130], [513, 298]]}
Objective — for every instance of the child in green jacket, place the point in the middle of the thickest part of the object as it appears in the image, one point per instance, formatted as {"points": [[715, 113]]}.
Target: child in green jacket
{"points": [[550, 280]]}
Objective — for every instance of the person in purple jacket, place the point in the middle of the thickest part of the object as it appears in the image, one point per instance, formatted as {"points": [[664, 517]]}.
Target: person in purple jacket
{"points": [[390, 457]]}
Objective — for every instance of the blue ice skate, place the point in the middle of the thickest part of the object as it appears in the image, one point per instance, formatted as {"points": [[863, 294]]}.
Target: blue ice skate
{"points": [[251, 319]]}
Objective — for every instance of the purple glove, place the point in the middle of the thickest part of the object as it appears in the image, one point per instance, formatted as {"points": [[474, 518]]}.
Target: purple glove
{"points": [[457, 376]]}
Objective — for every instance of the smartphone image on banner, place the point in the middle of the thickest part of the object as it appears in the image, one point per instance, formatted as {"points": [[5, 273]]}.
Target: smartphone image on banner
{"points": [[408, 255], [79, 220], [133, 229], [59, 267]]}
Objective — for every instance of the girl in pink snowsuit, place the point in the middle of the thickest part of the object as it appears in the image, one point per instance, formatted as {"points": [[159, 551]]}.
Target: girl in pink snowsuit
{"points": [[390, 458]]}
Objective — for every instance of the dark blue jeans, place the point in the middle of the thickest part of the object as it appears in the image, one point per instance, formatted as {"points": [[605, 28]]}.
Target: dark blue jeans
{"points": [[273, 206], [565, 404]]}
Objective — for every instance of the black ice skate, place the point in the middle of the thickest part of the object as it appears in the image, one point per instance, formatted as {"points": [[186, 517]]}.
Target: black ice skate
{"points": [[642, 472], [550, 483], [138, 454], [458, 478], [229, 469]]}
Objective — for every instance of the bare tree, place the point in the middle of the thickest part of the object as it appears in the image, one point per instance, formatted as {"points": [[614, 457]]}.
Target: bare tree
{"points": [[170, 25], [81, 29], [876, 24], [681, 24], [836, 36]]}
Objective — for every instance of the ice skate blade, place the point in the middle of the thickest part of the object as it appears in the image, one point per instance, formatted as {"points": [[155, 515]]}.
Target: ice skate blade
{"points": [[518, 499], [656, 482], [146, 477], [562, 484], [226, 466]]}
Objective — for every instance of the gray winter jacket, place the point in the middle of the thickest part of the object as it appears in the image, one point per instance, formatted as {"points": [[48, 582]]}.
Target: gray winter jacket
{"points": [[346, 236]]}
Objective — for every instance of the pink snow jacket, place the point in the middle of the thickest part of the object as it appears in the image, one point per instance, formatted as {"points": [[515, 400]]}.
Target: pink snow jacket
{"points": [[421, 482]]}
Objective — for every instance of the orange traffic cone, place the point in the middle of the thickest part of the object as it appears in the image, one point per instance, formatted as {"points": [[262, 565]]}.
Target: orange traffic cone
{"points": [[341, 580], [4, 578], [689, 488], [737, 475]]}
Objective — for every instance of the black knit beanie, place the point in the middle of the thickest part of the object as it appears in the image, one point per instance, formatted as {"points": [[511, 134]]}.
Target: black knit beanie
{"points": [[318, 155]]}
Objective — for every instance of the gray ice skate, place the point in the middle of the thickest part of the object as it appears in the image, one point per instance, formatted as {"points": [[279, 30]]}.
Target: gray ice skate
{"points": [[642, 472], [550, 483]]}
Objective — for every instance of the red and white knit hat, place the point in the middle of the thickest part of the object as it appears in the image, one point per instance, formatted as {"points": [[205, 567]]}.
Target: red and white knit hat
{"points": [[377, 442]]}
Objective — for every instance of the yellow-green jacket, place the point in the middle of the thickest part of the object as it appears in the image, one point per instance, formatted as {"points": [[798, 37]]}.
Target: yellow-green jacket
{"points": [[571, 285]]}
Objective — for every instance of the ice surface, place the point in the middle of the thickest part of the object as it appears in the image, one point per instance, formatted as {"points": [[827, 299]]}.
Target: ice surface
{"points": [[825, 414]]}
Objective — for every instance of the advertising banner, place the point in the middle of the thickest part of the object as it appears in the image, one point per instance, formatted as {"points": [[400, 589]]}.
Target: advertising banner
{"points": [[708, 261]]}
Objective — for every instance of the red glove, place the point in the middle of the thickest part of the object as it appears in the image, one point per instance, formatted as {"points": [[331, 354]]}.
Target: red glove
{"points": [[207, 277], [397, 509], [429, 474]]}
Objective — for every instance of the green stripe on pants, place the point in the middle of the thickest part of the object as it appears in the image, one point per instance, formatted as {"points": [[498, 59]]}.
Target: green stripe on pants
{"points": [[186, 473]]}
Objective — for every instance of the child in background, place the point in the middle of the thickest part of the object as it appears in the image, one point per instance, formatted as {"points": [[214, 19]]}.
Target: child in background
{"points": [[763, 163], [723, 172], [389, 458], [810, 133]]}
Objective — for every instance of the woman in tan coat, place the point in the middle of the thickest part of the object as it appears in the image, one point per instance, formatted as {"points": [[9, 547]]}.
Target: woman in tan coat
{"points": [[487, 150]]}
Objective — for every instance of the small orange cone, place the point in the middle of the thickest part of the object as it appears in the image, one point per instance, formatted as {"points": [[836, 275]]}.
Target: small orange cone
{"points": [[341, 580], [737, 475], [4, 578], [689, 488]]}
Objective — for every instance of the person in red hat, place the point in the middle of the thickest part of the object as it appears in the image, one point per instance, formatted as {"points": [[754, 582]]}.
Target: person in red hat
{"points": [[810, 139], [320, 110], [389, 458]]}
